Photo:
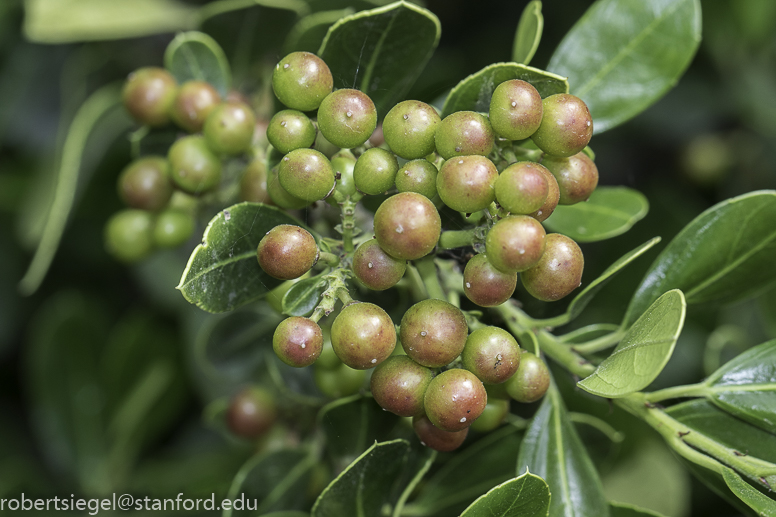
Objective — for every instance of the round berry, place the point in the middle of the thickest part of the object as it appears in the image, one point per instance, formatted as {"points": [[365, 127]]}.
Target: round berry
{"points": [[289, 130], [515, 243], [433, 332], [253, 184], [515, 110], [347, 118], [298, 341], [229, 127], [148, 95], [409, 129], [375, 268], [340, 381], [485, 285], [192, 105], [287, 252], [577, 177], [280, 196], [363, 335], [251, 413], [128, 235], [193, 166], [343, 163], [398, 384], [464, 133], [522, 188], [306, 174], [566, 126], [417, 176], [496, 410], [407, 226], [301, 80], [454, 399], [466, 183], [558, 272], [145, 183], [173, 228], [435, 438], [531, 380], [553, 196], [492, 354], [375, 171]]}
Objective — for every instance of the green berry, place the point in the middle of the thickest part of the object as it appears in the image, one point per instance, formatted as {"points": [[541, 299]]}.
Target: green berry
{"points": [[522, 188], [496, 410], [399, 384], [301, 80], [558, 272], [229, 127], [515, 110], [464, 133], [566, 126], [375, 171], [280, 196], [253, 184], [128, 235], [492, 354], [577, 177], [148, 95], [418, 176], [407, 226], [145, 183], [363, 335], [306, 174], [298, 341], [193, 103], [344, 163], [287, 252], [289, 130], [409, 129], [515, 243], [435, 438], [341, 381], [466, 183], [454, 400], [375, 268], [251, 413], [173, 228], [347, 118], [433, 332], [485, 285], [531, 380], [193, 166], [553, 196]]}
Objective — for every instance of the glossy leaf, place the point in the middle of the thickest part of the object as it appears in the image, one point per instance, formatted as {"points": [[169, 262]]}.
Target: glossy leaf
{"points": [[223, 272], [552, 449], [725, 254], [621, 57], [610, 211], [627, 510], [195, 55], [474, 92], [303, 296], [643, 352], [746, 386], [524, 496], [529, 33], [381, 51], [352, 424], [753, 498], [308, 33]]}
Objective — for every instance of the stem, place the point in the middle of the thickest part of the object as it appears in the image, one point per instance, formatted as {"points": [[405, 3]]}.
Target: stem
{"points": [[337, 290], [601, 343], [348, 222], [417, 289], [330, 259], [675, 392], [429, 275], [456, 239]]}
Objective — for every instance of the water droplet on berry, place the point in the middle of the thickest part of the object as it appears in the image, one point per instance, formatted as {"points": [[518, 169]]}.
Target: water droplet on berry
{"points": [[369, 265], [468, 285], [374, 360], [463, 419], [303, 345], [424, 333], [349, 114], [286, 65], [514, 104]]}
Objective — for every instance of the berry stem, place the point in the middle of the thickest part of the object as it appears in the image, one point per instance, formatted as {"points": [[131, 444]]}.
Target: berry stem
{"points": [[337, 290], [430, 277], [675, 392], [330, 259], [451, 239], [135, 137], [348, 206], [601, 343]]}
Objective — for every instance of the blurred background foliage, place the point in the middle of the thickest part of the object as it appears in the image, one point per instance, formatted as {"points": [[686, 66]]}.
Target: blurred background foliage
{"points": [[105, 371]]}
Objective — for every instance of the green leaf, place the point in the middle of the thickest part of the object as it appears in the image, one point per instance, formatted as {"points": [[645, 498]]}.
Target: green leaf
{"points": [[96, 125], [529, 33], [622, 56], [610, 211], [66, 21], [524, 496], [474, 92], [643, 352], [552, 449], [754, 499], [223, 272], [746, 386], [308, 33], [725, 254], [194, 55], [353, 423], [381, 51], [304, 296], [627, 510]]}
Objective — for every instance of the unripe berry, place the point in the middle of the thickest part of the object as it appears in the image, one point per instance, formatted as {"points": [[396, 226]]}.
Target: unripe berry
{"points": [[531, 380], [343, 163], [193, 103], [289, 130], [298, 341], [363, 335], [454, 399], [251, 413], [287, 252], [522, 188], [280, 196], [577, 177], [515, 243], [466, 183], [128, 235], [229, 127], [301, 80], [375, 268], [347, 118], [173, 228], [148, 95], [515, 110], [464, 133], [418, 176], [407, 226], [193, 166], [566, 126], [492, 354], [435, 438], [399, 384], [496, 410], [553, 196], [145, 183], [558, 272], [433, 332], [485, 285], [253, 184], [409, 129], [306, 174], [340, 381], [375, 171]]}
